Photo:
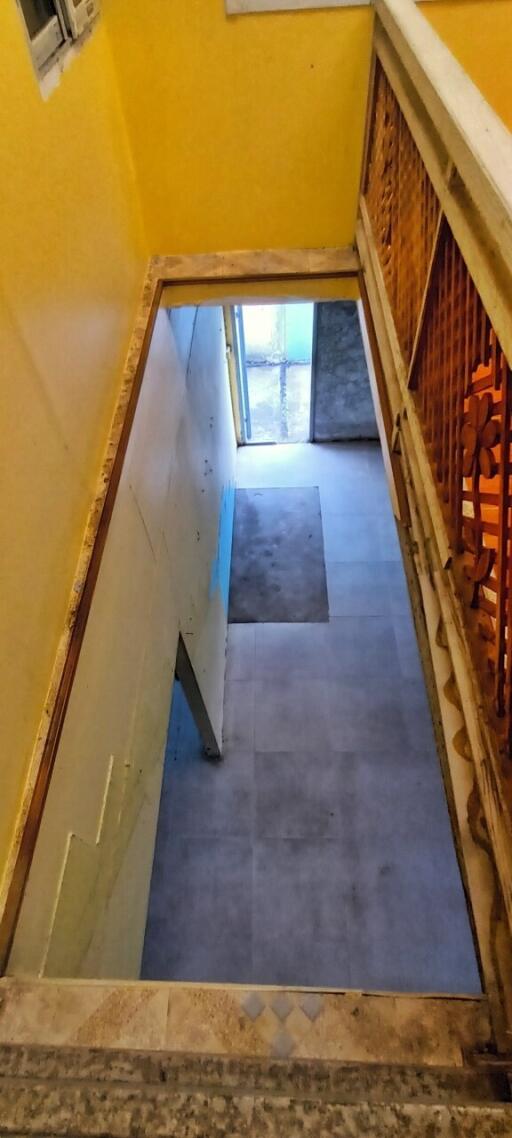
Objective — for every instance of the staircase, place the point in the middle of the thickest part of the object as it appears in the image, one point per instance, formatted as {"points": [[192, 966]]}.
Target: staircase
{"points": [[127, 1094]]}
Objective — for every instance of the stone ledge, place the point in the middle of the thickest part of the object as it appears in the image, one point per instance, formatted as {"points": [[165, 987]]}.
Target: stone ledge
{"points": [[133, 1112]]}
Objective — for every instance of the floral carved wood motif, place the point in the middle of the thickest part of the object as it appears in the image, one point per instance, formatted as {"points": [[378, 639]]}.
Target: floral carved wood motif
{"points": [[462, 388]]}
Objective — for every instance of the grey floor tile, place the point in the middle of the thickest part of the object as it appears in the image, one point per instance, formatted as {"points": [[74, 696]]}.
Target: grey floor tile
{"points": [[238, 730], [301, 960], [353, 538], [435, 954], [388, 542], [199, 923], [240, 652], [366, 717], [407, 647], [302, 794], [210, 799], [299, 933], [354, 492], [417, 715], [358, 589], [291, 650], [280, 465], [398, 804], [397, 589], [296, 881], [361, 647], [331, 463], [368, 537], [291, 714], [326, 466]]}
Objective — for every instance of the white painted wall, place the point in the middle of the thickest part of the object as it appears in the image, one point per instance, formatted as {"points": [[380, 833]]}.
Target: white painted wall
{"points": [[165, 569]]}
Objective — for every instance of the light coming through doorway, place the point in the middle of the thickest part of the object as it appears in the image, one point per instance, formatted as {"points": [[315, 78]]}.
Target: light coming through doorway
{"points": [[274, 348]]}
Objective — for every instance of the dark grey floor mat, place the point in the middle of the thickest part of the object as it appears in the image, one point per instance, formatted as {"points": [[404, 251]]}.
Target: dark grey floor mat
{"points": [[278, 565]]}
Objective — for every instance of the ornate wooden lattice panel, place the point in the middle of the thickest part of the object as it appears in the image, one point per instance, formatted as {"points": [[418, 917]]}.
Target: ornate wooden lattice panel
{"points": [[403, 210], [462, 383]]}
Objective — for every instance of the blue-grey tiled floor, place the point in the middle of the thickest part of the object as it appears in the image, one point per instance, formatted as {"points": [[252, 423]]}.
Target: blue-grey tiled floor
{"points": [[319, 852]]}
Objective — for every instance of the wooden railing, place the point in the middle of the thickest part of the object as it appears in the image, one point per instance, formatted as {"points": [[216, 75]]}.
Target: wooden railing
{"points": [[434, 237], [450, 354]]}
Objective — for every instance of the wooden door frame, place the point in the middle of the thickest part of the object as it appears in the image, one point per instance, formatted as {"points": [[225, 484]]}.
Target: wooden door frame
{"points": [[231, 268]]}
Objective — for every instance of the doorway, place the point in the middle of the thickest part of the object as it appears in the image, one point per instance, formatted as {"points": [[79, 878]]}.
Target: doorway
{"points": [[300, 373], [274, 352]]}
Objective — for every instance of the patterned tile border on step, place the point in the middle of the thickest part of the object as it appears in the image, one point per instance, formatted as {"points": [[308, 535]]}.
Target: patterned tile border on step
{"points": [[232, 1020], [337, 1026]]}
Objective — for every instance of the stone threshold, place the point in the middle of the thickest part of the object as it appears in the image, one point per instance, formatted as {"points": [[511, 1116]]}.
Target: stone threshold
{"points": [[236, 1020]]}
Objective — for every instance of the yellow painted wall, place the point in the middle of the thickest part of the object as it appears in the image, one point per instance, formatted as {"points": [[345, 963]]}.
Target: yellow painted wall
{"points": [[479, 33], [84, 910], [71, 262], [246, 132]]}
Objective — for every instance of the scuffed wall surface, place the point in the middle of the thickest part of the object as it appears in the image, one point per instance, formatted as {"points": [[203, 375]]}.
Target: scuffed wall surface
{"points": [[85, 907], [343, 407]]}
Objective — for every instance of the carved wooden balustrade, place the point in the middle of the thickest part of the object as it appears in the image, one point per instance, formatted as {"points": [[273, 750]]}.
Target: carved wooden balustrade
{"points": [[434, 236], [454, 363]]}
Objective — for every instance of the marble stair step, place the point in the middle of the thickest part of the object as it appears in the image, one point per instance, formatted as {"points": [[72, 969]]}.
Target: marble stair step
{"points": [[70, 1108], [328, 1081]]}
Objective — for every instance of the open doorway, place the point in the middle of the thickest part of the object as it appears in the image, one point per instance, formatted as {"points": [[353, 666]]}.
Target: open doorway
{"points": [[274, 352], [300, 372]]}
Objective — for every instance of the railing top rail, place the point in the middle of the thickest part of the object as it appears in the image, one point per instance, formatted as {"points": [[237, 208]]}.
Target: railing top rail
{"points": [[475, 138]]}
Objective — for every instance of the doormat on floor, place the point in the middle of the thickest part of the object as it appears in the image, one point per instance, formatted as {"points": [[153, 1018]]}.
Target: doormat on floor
{"points": [[278, 565]]}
